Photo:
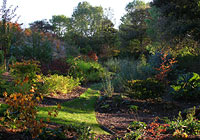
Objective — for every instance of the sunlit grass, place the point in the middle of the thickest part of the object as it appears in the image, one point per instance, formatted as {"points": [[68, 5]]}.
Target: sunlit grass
{"points": [[77, 111]]}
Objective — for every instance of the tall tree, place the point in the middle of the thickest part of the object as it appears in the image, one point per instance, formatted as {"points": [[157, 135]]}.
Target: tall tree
{"points": [[133, 28], [83, 25], [41, 25], [6, 15], [60, 24], [180, 18], [86, 19]]}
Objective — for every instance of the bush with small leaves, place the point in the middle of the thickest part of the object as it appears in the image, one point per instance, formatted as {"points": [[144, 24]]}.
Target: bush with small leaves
{"points": [[144, 89], [86, 71], [25, 70], [58, 83]]}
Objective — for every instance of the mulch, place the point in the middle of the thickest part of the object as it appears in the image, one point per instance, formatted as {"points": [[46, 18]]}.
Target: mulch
{"points": [[115, 115]]}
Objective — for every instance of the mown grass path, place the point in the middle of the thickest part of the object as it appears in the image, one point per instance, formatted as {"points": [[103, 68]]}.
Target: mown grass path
{"points": [[78, 111]]}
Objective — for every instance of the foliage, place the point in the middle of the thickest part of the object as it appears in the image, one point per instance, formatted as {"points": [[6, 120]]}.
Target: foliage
{"points": [[188, 59], [3, 82], [56, 66], [181, 128], [86, 70], [22, 112], [89, 29], [18, 87], [88, 15], [37, 46], [155, 129], [152, 24], [25, 71], [22, 109], [108, 85], [187, 87], [41, 25], [59, 24], [132, 70], [136, 129], [59, 84], [144, 89], [6, 14], [165, 67], [113, 65], [132, 31], [1, 58], [82, 132], [179, 19], [133, 108]]}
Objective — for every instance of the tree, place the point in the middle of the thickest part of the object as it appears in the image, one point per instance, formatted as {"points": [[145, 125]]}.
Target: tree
{"points": [[86, 19], [6, 15], [83, 25], [41, 25], [60, 25], [153, 24], [180, 19], [133, 28], [106, 37]]}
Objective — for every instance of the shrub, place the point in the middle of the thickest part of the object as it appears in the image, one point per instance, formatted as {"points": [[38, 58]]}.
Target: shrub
{"points": [[136, 130], [25, 71], [81, 132], [181, 128], [187, 87], [108, 85], [15, 87], [87, 71], [56, 83], [57, 66], [155, 130], [3, 82], [132, 70], [165, 67], [21, 112], [144, 89], [113, 65]]}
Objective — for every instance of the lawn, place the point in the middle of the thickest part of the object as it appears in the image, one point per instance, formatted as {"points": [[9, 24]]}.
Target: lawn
{"points": [[77, 111]]}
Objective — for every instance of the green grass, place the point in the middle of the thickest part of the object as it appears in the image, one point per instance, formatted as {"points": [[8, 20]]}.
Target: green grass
{"points": [[77, 111]]}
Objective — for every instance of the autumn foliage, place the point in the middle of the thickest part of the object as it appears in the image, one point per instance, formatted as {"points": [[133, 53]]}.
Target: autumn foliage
{"points": [[93, 56], [22, 112], [165, 67], [155, 130]]}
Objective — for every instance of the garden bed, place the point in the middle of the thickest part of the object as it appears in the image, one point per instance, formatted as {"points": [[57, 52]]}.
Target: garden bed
{"points": [[115, 114]]}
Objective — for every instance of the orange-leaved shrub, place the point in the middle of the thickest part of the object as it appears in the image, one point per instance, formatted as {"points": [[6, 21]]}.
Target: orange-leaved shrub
{"points": [[22, 112], [165, 67]]}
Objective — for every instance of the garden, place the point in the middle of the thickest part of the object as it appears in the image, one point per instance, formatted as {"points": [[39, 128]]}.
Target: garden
{"points": [[80, 78]]}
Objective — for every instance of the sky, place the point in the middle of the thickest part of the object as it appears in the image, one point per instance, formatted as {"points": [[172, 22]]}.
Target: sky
{"points": [[32, 10]]}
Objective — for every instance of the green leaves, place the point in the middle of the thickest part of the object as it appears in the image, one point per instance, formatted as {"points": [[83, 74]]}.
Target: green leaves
{"points": [[187, 87], [56, 83], [144, 89]]}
